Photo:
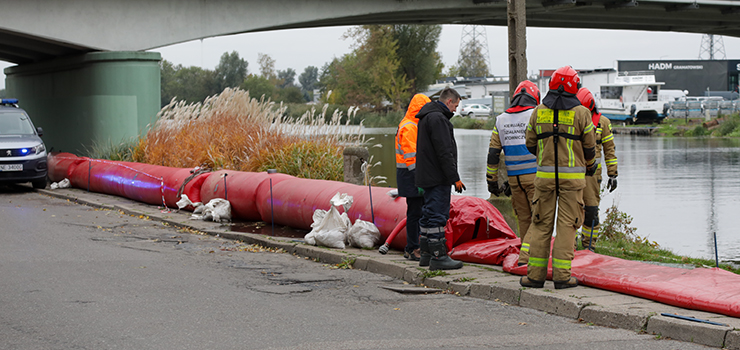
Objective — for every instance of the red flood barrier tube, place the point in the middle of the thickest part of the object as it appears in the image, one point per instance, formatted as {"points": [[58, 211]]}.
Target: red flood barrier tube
{"points": [[61, 165], [713, 290], [242, 190], [296, 199]]}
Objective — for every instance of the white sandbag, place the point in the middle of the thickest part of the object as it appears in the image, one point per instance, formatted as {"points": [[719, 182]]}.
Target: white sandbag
{"points": [[185, 201], [329, 228], [218, 209], [342, 199], [363, 234], [61, 184]]}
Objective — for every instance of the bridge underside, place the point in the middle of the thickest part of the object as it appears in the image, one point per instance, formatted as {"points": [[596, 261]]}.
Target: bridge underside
{"points": [[82, 76]]}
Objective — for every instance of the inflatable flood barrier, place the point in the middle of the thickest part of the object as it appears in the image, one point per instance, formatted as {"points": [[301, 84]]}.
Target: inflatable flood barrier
{"points": [[279, 198], [476, 231]]}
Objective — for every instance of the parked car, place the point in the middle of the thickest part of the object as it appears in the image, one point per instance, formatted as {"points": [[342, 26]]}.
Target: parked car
{"points": [[22, 152], [476, 110]]}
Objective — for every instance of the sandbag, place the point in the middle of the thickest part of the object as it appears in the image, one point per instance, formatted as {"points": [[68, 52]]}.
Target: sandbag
{"points": [[363, 234]]}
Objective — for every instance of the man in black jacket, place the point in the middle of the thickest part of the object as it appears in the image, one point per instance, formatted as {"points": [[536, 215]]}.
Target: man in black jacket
{"points": [[436, 171]]}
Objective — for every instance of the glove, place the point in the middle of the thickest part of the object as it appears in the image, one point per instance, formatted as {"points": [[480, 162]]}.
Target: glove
{"points": [[612, 184], [591, 169], [459, 186], [493, 188], [506, 189]]}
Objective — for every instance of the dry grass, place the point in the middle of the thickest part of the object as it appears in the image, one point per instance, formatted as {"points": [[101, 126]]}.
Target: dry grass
{"points": [[233, 131]]}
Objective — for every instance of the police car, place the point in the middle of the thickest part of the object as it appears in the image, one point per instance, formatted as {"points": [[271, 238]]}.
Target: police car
{"points": [[22, 152]]}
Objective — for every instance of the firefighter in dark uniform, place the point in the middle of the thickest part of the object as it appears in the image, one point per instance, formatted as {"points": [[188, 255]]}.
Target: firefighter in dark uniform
{"points": [[560, 133], [591, 195]]}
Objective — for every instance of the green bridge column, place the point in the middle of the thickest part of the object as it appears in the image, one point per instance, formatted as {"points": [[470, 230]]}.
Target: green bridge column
{"points": [[98, 98]]}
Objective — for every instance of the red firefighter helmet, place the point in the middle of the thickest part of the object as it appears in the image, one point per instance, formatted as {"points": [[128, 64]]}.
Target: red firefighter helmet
{"points": [[567, 78], [529, 88], [586, 98]]}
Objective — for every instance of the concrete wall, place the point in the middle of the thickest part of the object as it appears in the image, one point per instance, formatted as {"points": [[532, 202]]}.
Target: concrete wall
{"points": [[103, 97]]}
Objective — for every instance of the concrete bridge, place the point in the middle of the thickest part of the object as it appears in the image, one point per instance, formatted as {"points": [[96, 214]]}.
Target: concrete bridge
{"points": [[84, 77]]}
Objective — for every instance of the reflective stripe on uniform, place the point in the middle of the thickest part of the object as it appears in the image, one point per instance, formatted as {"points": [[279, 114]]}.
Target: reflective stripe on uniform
{"points": [[491, 171], [525, 247], [608, 138], [569, 144], [562, 170], [520, 166], [529, 156], [593, 232], [610, 161], [589, 128], [537, 262], [432, 229], [559, 263]]}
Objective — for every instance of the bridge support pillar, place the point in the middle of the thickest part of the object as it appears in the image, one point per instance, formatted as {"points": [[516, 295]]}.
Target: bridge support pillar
{"points": [[517, 20], [102, 98]]}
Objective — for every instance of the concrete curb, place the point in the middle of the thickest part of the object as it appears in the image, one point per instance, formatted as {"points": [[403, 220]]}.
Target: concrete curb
{"points": [[584, 304]]}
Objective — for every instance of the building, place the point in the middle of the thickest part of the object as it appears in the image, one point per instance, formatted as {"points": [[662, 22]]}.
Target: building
{"points": [[699, 77]]}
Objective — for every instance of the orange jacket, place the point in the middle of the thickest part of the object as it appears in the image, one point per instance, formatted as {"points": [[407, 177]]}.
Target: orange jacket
{"points": [[406, 134]]}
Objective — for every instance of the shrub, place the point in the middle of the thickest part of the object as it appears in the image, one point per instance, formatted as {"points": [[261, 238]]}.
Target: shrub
{"points": [[233, 131]]}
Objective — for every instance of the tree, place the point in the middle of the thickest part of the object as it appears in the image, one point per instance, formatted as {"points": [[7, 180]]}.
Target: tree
{"points": [[471, 62], [231, 70], [259, 86], [267, 66], [309, 78], [417, 51], [286, 77], [191, 84]]}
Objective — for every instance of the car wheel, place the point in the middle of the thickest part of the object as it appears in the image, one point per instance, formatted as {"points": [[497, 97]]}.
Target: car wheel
{"points": [[39, 184], [471, 114]]}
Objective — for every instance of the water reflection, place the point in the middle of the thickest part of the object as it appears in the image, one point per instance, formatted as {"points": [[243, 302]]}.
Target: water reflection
{"points": [[679, 191]]}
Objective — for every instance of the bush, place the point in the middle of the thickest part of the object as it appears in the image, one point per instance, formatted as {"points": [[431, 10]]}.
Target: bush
{"points": [[233, 131], [471, 123], [729, 126], [697, 131]]}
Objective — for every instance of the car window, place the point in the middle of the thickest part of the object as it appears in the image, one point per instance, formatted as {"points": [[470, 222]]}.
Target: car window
{"points": [[15, 123]]}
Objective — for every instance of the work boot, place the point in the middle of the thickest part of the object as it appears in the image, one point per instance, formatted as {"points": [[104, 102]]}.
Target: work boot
{"points": [[425, 255], [572, 282], [414, 255], [526, 282], [440, 259]]}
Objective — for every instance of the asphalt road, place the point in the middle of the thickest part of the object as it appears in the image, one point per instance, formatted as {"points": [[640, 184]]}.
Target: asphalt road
{"points": [[76, 277]]}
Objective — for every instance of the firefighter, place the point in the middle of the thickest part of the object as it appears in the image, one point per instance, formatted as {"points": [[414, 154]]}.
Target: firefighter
{"points": [[509, 136], [436, 172], [591, 195], [560, 133], [405, 175]]}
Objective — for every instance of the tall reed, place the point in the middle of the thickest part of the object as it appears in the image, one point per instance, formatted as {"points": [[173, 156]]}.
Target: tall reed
{"points": [[231, 130]]}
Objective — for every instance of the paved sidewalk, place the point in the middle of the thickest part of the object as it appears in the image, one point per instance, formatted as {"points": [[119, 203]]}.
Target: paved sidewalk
{"points": [[585, 304]]}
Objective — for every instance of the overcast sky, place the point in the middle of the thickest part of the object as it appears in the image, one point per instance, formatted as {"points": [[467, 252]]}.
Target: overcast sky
{"points": [[546, 48]]}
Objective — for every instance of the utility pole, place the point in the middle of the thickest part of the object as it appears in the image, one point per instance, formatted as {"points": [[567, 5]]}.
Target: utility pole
{"points": [[517, 21]]}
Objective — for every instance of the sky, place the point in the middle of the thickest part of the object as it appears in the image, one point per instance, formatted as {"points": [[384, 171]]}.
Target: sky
{"points": [[547, 48]]}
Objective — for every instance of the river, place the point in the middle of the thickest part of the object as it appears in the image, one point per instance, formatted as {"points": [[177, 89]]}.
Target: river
{"points": [[679, 191]]}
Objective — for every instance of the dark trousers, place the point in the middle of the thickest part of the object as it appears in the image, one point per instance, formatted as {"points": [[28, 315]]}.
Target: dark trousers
{"points": [[413, 214], [435, 212]]}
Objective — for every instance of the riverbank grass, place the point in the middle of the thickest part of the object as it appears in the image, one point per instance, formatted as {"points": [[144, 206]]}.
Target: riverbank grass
{"points": [[723, 126], [620, 240]]}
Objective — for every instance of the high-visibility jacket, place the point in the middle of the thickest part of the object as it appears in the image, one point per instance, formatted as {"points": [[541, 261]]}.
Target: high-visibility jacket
{"points": [[509, 135], [605, 141], [576, 146], [406, 147]]}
